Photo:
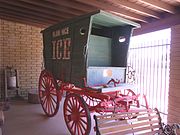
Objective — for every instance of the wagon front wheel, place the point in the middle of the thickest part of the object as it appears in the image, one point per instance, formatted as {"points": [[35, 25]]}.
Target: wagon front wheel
{"points": [[48, 94], [77, 115]]}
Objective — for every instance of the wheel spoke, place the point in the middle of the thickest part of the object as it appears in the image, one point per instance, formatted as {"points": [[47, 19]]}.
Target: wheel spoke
{"points": [[75, 128], [77, 125], [81, 119], [45, 79], [52, 106], [82, 125], [43, 86], [82, 115], [68, 120], [53, 99], [70, 103], [43, 82], [80, 128], [68, 110], [43, 93], [46, 105], [81, 111], [54, 93], [51, 84], [73, 101], [45, 99], [70, 107], [72, 125], [76, 103]]}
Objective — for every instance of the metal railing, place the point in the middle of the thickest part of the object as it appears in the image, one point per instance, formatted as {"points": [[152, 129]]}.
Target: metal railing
{"points": [[150, 58]]}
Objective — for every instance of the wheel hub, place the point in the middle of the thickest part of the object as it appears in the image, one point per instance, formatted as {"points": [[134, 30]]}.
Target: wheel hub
{"points": [[75, 116]]}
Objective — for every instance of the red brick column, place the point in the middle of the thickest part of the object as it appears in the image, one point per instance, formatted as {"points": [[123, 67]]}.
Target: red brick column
{"points": [[174, 88]]}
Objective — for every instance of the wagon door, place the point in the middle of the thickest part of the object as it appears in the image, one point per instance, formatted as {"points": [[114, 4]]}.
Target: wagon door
{"points": [[78, 70]]}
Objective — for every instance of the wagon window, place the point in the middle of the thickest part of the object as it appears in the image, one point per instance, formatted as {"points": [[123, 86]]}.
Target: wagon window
{"points": [[122, 39], [82, 31]]}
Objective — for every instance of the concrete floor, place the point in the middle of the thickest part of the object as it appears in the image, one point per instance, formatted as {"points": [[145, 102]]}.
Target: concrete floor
{"points": [[28, 119]]}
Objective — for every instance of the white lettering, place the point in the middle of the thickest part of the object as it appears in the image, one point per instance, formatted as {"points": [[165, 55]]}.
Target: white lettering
{"points": [[61, 49]]}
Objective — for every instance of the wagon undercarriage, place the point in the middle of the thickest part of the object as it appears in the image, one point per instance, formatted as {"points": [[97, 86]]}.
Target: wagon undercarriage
{"points": [[79, 102]]}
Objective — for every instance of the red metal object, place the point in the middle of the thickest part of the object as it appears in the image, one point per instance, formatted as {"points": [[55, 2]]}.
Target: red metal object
{"points": [[115, 82], [79, 102], [77, 115], [48, 94]]}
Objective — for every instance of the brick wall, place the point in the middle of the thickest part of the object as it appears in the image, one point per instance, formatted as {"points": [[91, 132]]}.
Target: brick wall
{"points": [[21, 47], [174, 88]]}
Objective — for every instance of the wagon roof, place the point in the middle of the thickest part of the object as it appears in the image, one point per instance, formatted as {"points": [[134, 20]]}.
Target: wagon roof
{"points": [[99, 17], [109, 20]]}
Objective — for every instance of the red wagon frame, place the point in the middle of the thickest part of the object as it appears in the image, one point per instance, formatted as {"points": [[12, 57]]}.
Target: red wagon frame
{"points": [[79, 102]]}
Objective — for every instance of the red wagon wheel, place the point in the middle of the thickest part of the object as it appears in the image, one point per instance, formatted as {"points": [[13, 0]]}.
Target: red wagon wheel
{"points": [[77, 115], [48, 94]]}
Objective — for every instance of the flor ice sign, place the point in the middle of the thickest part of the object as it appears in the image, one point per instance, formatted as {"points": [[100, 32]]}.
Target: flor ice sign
{"points": [[61, 46]]}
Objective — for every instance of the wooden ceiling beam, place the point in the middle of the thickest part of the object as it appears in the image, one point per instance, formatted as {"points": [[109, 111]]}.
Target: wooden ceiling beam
{"points": [[75, 5], [167, 22], [135, 7], [127, 17], [106, 6], [26, 21], [22, 15], [36, 8], [160, 5], [52, 6], [28, 12]]}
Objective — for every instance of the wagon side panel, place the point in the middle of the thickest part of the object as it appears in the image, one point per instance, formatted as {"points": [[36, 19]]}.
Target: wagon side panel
{"points": [[57, 51], [47, 51], [120, 48], [79, 51]]}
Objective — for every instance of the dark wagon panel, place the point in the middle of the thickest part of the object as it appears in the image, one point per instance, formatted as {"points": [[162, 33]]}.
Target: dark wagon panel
{"points": [[73, 47]]}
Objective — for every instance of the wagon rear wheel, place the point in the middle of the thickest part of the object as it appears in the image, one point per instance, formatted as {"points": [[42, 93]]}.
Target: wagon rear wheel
{"points": [[48, 94], [77, 115]]}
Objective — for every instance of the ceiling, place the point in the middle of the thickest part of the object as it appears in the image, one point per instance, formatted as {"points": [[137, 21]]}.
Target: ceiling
{"points": [[44, 13]]}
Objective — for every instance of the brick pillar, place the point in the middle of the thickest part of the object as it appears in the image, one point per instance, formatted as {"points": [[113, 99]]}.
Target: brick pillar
{"points": [[1, 44], [174, 86]]}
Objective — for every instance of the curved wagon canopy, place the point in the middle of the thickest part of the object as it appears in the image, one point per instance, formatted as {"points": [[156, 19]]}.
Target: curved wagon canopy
{"points": [[93, 46]]}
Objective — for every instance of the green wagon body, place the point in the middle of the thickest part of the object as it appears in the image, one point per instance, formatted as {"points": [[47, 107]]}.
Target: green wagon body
{"points": [[73, 47], [93, 48]]}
